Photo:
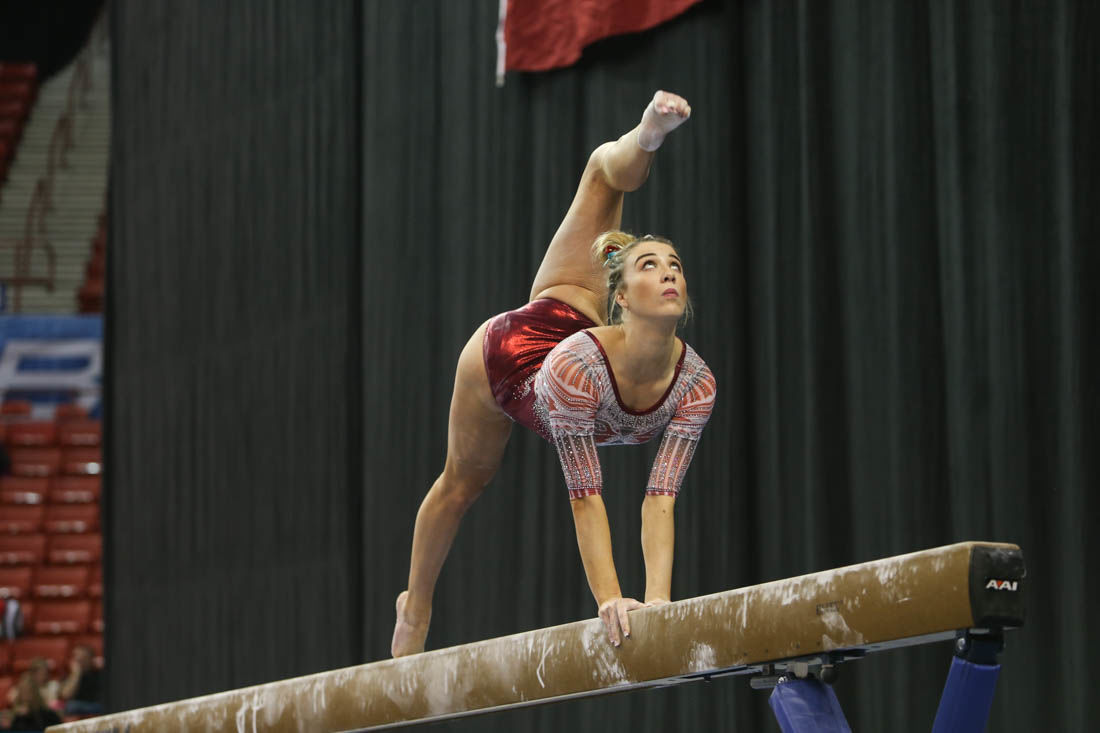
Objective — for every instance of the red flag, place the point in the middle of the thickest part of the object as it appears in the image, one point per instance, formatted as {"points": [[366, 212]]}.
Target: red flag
{"points": [[535, 35]]}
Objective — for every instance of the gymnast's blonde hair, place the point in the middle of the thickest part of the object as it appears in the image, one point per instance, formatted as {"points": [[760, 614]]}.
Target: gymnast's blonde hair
{"points": [[611, 249]]}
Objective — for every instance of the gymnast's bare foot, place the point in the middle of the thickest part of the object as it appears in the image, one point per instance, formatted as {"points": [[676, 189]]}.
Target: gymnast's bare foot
{"points": [[408, 633], [664, 114]]}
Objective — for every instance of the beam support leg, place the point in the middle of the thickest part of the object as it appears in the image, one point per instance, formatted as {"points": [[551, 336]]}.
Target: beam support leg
{"points": [[807, 706], [968, 693]]}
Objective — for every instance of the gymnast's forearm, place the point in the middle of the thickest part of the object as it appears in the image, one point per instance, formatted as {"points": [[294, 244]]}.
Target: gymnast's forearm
{"points": [[658, 541], [594, 542]]}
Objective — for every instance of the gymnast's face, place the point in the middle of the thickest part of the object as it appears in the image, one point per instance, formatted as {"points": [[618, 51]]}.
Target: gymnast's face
{"points": [[653, 282]]}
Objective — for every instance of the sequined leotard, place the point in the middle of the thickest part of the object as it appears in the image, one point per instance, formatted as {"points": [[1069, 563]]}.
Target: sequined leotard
{"points": [[578, 400], [551, 379]]}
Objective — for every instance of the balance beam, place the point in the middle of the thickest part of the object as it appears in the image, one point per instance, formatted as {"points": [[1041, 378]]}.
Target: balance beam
{"points": [[837, 614]]}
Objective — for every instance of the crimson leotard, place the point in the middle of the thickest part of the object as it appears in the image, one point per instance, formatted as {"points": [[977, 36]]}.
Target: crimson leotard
{"points": [[516, 343]]}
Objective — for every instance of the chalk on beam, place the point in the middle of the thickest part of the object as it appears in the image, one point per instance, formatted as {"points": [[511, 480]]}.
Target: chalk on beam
{"points": [[909, 599]]}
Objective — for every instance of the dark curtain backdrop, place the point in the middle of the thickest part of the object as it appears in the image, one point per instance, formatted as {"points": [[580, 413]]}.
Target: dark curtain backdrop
{"points": [[888, 216], [233, 347]]}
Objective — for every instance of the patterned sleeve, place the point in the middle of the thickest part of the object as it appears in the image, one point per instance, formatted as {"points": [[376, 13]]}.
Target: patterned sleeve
{"points": [[681, 436], [571, 397]]}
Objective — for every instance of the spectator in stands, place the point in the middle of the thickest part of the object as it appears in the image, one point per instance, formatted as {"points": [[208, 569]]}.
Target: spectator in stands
{"points": [[82, 690], [47, 688], [29, 710]]}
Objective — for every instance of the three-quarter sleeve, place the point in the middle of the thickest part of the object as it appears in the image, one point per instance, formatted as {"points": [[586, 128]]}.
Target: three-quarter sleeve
{"points": [[571, 397], [682, 435]]}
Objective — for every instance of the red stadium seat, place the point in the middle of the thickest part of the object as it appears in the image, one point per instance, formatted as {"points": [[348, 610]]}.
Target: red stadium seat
{"points": [[20, 90], [14, 99], [35, 461], [10, 130], [18, 72], [14, 109], [21, 518], [95, 582], [70, 518], [81, 461], [95, 268], [31, 434], [79, 434], [90, 296], [97, 617], [69, 411], [54, 649], [27, 549], [27, 608], [15, 583], [16, 407], [72, 549], [23, 490], [74, 489], [65, 581], [62, 617], [7, 681]]}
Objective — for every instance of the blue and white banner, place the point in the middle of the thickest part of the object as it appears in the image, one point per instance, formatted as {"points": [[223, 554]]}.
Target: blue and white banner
{"points": [[52, 359]]}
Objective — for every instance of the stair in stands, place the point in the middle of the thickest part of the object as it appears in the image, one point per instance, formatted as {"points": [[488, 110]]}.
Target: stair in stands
{"points": [[79, 189]]}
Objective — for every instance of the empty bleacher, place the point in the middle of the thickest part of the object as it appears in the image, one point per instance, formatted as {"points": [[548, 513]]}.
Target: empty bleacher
{"points": [[18, 90], [50, 541]]}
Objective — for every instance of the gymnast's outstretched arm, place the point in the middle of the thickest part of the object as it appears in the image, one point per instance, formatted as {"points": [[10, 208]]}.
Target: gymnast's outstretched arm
{"points": [[594, 542], [671, 464]]}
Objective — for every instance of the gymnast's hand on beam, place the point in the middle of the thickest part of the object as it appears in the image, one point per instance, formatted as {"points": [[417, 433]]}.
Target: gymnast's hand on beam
{"points": [[613, 613]]}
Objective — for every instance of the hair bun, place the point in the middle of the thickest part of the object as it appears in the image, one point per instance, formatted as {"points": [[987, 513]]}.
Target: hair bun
{"points": [[608, 243]]}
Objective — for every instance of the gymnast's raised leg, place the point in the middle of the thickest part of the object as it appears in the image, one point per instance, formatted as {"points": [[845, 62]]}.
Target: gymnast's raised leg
{"points": [[478, 429]]}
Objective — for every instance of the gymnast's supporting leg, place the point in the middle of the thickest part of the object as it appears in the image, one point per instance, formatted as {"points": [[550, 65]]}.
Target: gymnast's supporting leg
{"points": [[478, 430]]}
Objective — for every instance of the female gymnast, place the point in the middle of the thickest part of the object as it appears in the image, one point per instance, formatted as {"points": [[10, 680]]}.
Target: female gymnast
{"points": [[592, 359]]}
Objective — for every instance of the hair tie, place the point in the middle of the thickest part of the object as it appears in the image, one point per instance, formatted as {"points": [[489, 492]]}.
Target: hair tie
{"points": [[611, 250]]}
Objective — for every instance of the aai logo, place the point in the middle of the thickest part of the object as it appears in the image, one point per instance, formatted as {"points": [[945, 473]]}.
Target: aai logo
{"points": [[994, 584]]}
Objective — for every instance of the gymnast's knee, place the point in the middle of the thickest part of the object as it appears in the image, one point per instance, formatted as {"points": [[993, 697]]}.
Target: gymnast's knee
{"points": [[461, 488]]}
